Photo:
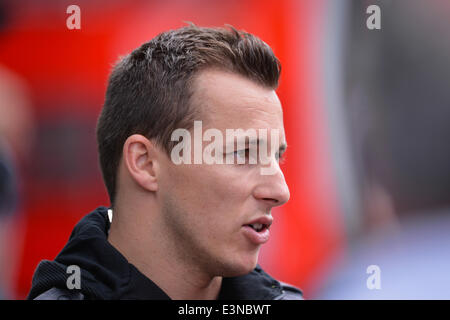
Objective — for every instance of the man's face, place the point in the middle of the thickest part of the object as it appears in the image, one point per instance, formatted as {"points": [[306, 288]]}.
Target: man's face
{"points": [[207, 208]]}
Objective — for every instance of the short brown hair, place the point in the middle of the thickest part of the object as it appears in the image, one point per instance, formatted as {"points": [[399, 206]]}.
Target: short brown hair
{"points": [[149, 90]]}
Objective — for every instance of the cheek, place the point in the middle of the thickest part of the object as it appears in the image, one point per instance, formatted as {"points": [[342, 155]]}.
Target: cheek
{"points": [[210, 184], [214, 198], [222, 189]]}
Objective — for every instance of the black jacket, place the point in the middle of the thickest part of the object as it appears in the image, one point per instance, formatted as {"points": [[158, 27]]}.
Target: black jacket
{"points": [[106, 274]]}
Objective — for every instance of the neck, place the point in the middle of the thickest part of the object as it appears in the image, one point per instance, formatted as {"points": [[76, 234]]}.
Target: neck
{"points": [[145, 246]]}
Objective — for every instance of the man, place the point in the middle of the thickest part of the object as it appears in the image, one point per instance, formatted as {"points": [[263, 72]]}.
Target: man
{"points": [[180, 230]]}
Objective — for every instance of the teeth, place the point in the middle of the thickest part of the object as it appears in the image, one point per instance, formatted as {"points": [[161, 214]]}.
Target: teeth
{"points": [[257, 226]]}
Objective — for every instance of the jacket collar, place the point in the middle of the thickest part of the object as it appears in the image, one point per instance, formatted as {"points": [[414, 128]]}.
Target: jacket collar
{"points": [[106, 274]]}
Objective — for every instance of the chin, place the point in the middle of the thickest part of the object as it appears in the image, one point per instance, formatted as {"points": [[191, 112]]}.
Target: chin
{"points": [[240, 267]]}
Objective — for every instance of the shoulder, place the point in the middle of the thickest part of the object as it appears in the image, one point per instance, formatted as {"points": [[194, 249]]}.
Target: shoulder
{"points": [[289, 292], [60, 294]]}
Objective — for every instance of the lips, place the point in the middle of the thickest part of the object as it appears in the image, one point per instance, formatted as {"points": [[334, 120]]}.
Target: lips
{"points": [[257, 231]]}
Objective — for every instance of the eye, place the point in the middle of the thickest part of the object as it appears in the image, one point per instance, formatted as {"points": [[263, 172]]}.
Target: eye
{"points": [[280, 158], [242, 155]]}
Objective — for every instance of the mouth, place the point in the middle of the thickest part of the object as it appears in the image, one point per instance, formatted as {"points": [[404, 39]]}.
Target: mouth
{"points": [[257, 231], [258, 227]]}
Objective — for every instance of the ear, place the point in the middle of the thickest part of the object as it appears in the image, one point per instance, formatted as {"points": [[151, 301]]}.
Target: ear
{"points": [[141, 160]]}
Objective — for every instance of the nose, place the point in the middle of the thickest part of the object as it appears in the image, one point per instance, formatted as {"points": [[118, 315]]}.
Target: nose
{"points": [[272, 189]]}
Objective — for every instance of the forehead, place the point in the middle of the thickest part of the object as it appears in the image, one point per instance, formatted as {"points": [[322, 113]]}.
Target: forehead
{"points": [[229, 100]]}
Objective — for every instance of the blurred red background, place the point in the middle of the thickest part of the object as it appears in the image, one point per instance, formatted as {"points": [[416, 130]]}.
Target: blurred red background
{"points": [[66, 72]]}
